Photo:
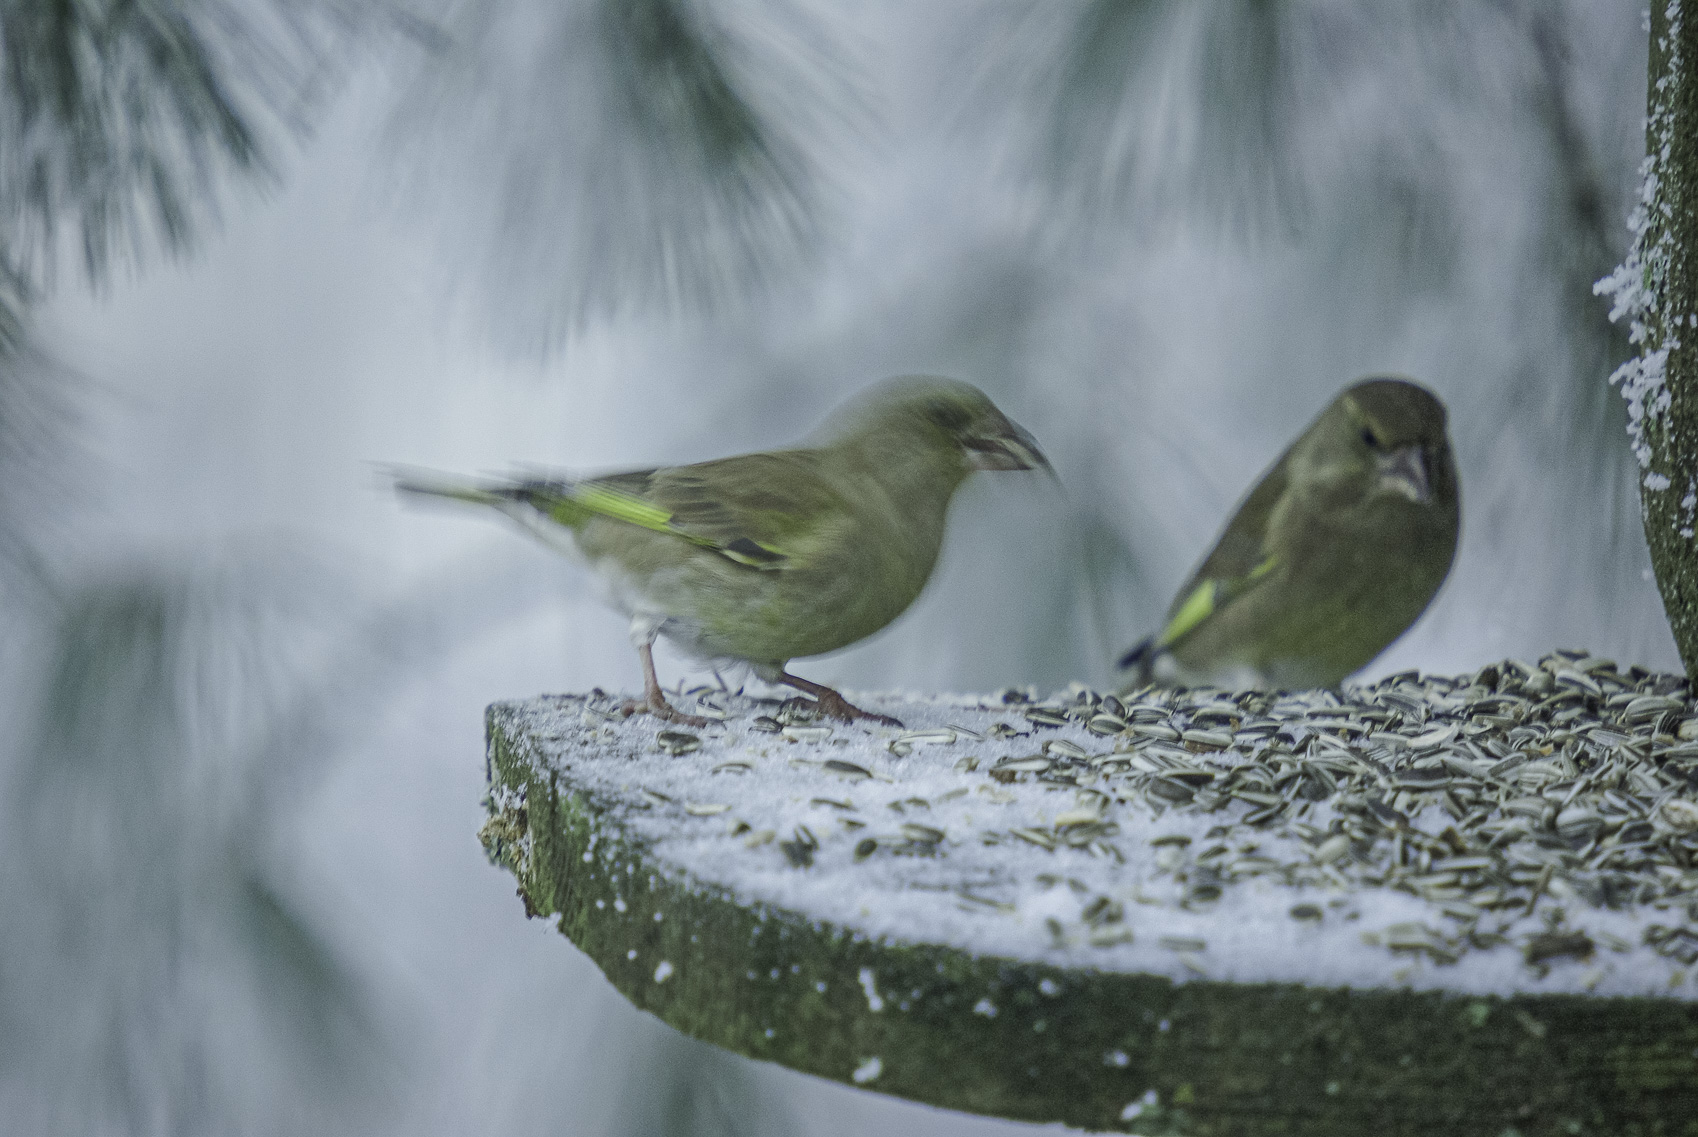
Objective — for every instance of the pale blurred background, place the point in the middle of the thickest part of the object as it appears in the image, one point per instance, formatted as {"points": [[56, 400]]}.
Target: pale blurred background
{"points": [[252, 249]]}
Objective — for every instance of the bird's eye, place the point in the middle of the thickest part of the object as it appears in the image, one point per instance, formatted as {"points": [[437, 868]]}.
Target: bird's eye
{"points": [[949, 416], [1370, 439]]}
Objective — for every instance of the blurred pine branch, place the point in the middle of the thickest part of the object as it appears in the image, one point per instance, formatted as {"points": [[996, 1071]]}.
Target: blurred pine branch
{"points": [[121, 121]]}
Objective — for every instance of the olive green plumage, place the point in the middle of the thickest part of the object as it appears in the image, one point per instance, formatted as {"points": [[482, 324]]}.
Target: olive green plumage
{"points": [[774, 556], [1333, 555]]}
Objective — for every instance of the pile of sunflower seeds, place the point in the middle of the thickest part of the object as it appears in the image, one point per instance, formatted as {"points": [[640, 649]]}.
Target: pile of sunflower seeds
{"points": [[1520, 817], [1565, 781]]}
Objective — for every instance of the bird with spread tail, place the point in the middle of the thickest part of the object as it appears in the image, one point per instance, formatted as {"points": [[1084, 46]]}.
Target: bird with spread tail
{"points": [[1333, 555], [773, 556]]}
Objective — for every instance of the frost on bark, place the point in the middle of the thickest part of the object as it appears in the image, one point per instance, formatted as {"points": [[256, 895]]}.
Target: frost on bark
{"points": [[1657, 288]]}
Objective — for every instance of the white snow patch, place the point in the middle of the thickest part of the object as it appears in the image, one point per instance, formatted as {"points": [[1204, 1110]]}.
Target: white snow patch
{"points": [[663, 972], [867, 1071], [1637, 285], [986, 1008], [869, 984], [1148, 1101]]}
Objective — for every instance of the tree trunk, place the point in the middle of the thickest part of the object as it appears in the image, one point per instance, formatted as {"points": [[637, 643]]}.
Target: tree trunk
{"points": [[1658, 288]]}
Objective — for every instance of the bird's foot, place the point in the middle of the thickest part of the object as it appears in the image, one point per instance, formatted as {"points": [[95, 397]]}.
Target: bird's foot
{"points": [[832, 705], [661, 709]]}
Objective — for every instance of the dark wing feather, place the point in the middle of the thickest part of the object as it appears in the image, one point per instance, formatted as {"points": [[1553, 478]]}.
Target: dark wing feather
{"points": [[1240, 559], [1243, 547]]}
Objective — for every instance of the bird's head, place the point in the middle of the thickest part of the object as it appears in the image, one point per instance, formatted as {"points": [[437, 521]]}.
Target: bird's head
{"points": [[948, 416], [1400, 428], [1385, 438]]}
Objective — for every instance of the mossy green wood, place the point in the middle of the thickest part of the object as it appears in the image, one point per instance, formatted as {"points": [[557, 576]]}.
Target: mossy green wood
{"points": [[1078, 1046]]}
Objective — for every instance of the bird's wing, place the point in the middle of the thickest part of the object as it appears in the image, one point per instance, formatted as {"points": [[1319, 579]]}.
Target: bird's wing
{"points": [[1240, 560], [759, 510]]}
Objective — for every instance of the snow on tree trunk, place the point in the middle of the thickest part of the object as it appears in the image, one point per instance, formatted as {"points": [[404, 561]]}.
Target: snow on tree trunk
{"points": [[1657, 288]]}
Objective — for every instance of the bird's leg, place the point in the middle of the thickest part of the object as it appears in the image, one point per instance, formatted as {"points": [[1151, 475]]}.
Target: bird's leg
{"points": [[654, 701], [832, 705]]}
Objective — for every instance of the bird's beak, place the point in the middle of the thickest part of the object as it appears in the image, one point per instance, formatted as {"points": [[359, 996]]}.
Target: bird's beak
{"points": [[1012, 450], [1404, 471]]}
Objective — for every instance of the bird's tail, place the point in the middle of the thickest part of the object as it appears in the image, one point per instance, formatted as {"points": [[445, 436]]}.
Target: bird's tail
{"points": [[546, 508], [434, 483], [1139, 662]]}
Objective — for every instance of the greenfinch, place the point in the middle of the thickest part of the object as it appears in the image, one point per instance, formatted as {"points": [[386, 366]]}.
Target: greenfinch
{"points": [[1333, 555], [768, 557]]}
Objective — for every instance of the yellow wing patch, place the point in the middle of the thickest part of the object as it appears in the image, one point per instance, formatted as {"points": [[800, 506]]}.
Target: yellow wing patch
{"points": [[1194, 611], [1201, 604], [636, 511], [621, 507]]}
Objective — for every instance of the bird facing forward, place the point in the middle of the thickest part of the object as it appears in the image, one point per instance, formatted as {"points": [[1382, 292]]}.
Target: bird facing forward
{"points": [[773, 556], [1333, 555]]}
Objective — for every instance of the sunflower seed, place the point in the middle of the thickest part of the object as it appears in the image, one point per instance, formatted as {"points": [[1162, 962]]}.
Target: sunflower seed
{"points": [[1183, 943], [847, 769], [1577, 680], [1647, 707], [1679, 815], [676, 742], [1332, 849], [1170, 790], [1556, 945], [942, 736], [1578, 822], [1438, 736], [973, 898]]}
